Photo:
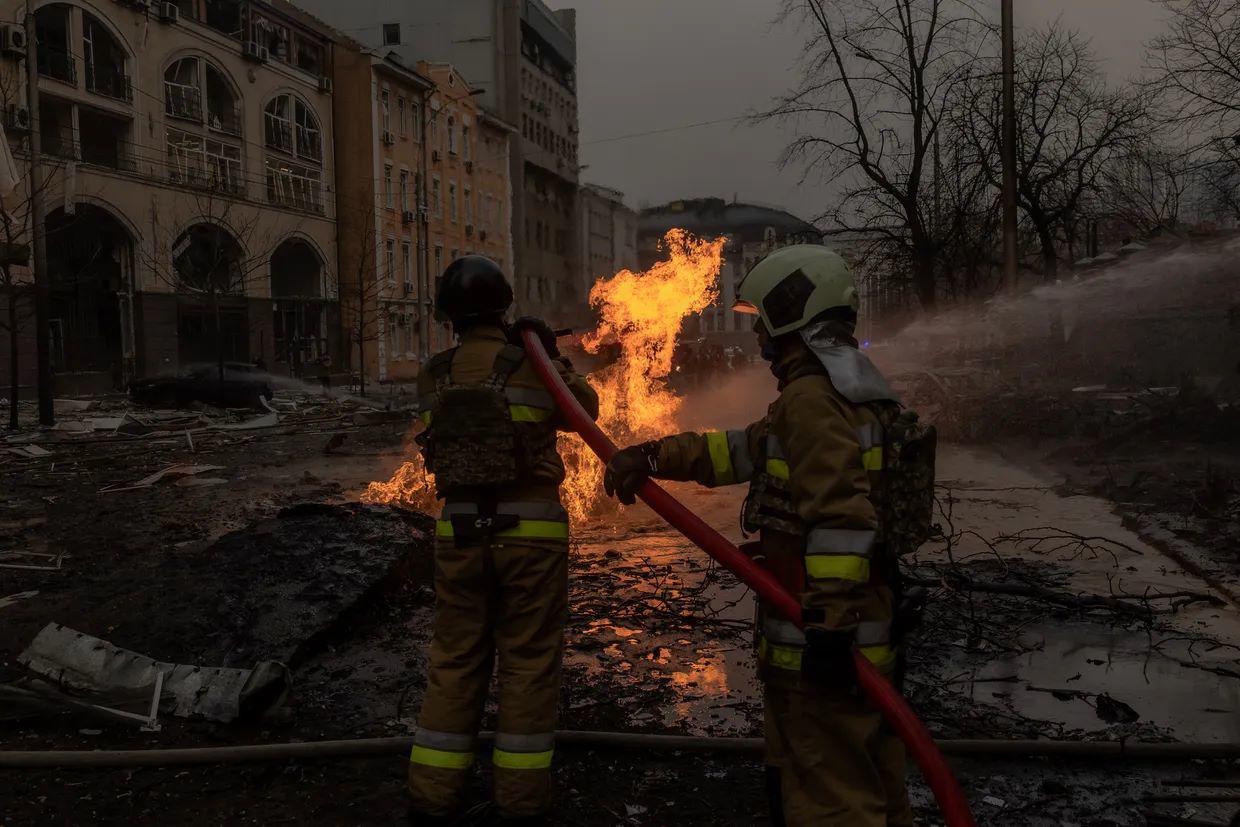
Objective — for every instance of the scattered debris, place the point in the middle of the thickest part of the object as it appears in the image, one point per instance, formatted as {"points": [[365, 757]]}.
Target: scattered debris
{"points": [[13, 598], [84, 664], [172, 471]]}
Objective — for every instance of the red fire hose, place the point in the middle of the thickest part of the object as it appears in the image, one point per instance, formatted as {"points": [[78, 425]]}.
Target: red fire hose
{"points": [[882, 694]]}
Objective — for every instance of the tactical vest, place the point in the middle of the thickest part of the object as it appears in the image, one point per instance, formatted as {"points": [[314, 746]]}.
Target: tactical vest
{"points": [[899, 455], [483, 435]]}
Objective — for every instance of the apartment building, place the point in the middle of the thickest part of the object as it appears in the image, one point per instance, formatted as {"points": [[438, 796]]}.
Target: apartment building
{"points": [[520, 58], [608, 233], [386, 280], [190, 212]]}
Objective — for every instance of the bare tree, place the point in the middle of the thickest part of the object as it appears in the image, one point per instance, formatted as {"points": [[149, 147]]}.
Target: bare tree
{"points": [[362, 288], [1146, 187], [221, 254], [1069, 126], [877, 75], [1196, 64]]}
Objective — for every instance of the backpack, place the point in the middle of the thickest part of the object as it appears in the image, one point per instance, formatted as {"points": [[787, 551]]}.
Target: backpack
{"points": [[472, 440], [905, 499]]}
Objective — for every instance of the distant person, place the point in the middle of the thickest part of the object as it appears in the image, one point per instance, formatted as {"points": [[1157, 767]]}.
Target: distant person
{"points": [[501, 551], [325, 373], [824, 467]]}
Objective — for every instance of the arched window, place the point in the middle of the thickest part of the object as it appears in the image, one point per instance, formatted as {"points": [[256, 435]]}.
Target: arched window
{"points": [[199, 150], [209, 260], [105, 61], [290, 126]]}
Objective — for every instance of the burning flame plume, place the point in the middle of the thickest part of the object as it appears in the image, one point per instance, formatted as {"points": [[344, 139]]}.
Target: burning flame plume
{"points": [[641, 315]]}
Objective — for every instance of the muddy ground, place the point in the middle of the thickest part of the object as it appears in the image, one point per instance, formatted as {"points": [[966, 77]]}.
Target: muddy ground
{"points": [[256, 567]]}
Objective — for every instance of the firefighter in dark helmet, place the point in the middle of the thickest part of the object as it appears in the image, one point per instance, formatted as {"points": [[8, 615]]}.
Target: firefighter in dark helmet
{"points": [[825, 464], [501, 551]]}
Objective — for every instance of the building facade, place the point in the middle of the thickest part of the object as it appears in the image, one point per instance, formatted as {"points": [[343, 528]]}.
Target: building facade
{"points": [[384, 228], [520, 58], [189, 206], [752, 231], [608, 236]]}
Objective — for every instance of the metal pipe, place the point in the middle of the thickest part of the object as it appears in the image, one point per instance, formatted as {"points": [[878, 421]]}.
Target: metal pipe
{"points": [[585, 739]]}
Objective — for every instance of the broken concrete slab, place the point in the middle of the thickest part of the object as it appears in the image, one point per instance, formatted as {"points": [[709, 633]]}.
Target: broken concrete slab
{"points": [[86, 664]]}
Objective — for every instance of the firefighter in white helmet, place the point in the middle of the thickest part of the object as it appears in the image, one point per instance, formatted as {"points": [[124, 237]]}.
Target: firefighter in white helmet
{"points": [[815, 467]]}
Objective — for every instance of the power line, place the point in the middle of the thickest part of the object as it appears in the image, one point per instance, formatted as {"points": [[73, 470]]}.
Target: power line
{"points": [[682, 128]]}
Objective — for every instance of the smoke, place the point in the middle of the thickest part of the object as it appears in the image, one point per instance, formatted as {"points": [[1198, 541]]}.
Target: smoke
{"points": [[1160, 318]]}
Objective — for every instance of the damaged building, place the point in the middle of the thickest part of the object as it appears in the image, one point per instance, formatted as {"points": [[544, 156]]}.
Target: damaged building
{"points": [[190, 212]]}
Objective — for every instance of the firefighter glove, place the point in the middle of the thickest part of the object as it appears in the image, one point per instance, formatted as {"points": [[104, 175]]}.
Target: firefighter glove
{"points": [[828, 658], [543, 330], [628, 471]]}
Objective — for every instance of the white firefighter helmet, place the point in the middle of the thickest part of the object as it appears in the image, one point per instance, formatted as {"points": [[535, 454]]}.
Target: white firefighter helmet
{"points": [[793, 285]]}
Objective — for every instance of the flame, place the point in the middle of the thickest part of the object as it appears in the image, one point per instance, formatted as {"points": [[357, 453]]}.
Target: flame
{"points": [[412, 486], [641, 314]]}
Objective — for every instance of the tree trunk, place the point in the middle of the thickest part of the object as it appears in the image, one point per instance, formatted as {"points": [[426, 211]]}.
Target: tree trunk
{"points": [[1050, 259], [361, 334], [219, 335], [923, 279], [13, 362]]}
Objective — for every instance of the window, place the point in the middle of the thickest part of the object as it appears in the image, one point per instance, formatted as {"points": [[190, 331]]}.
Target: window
{"points": [[406, 265], [469, 206], [203, 162], [415, 111], [385, 113], [393, 331], [436, 202], [182, 92], [293, 185], [391, 34], [465, 151], [387, 186], [290, 126], [452, 202], [389, 259], [400, 117], [270, 34], [404, 190], [434, 130], [451, 135], [310, 55], [438, 258]]}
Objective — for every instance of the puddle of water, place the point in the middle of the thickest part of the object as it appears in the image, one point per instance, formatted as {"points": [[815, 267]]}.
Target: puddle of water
{"points": [[1194, 704]]}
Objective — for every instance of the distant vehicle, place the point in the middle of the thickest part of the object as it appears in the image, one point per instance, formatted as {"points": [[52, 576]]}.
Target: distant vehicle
{"points": [[244, 385]]}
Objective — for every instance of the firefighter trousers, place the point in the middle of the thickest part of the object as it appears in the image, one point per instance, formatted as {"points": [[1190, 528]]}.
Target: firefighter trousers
{"points": [[498, 604], [837, 763]]}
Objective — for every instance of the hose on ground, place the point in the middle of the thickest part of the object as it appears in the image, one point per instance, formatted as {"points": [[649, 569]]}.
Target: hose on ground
{"points": [[947, 793], [382, 747]]}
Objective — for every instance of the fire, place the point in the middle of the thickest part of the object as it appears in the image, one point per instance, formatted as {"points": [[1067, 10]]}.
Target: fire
{"points": [[411, 487], [641, 314]]}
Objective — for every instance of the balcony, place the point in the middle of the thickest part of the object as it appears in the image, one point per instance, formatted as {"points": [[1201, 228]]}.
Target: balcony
{"points": [[181, 101], [57, 65], [110, 83]]}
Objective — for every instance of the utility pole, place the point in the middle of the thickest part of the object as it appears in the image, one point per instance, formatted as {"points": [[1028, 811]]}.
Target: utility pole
{"points": [[42, 294], [1009, 147]]}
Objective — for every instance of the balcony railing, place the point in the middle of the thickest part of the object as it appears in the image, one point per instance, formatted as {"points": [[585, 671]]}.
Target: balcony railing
{"points": [[309, 143], [110, 83], [278, 133], [58, 65], [182, 101]]}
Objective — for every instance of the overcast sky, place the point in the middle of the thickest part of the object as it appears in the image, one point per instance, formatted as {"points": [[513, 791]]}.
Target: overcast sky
{"points": [[646, 65]]}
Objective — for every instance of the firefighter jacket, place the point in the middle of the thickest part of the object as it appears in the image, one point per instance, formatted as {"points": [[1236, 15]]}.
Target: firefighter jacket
{"points": [[532, 495], [811, 464]]}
